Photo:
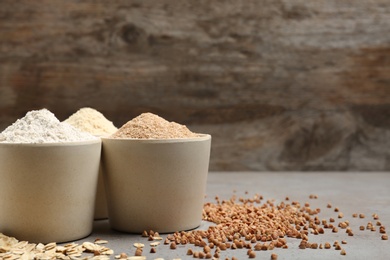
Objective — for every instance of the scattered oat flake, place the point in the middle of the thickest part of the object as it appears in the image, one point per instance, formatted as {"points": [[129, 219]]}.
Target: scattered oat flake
{"points": [[154, 244], [91, 247], [100, 241], [10, 248], [138, 245], [100, 257]]}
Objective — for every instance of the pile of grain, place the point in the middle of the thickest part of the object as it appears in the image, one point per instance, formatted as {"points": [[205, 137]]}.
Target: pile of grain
{"points": [[250, 224], [253, 225], [11, 248]]}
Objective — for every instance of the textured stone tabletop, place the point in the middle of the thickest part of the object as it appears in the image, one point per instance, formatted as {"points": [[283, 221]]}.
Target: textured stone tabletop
{"points": [[366, 193]]}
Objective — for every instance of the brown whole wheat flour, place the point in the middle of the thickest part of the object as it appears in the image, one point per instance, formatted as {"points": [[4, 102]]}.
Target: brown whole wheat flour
{"points": [[151, 126]]}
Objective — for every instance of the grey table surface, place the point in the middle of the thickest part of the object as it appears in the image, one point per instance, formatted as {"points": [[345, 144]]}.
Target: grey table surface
{"points": [[351, 192]]}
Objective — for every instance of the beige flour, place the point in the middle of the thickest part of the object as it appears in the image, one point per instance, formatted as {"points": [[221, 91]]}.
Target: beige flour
{"points": [[91, 121], [151, 126]]}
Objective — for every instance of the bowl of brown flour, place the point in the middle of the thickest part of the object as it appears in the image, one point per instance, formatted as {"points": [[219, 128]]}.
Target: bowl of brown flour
{"points": [[155, 173], [48, 173]]}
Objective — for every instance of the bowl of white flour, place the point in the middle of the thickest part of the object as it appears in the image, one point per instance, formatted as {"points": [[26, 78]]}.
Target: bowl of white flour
{"points": [[49, 172]]}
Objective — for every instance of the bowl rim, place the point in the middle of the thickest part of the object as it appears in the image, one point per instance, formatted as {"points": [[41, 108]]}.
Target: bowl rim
{"points": [[68, 143], [200, 137]]}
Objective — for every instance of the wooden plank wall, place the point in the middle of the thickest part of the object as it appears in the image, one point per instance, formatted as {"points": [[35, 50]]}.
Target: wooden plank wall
{"points": [[279, 84]]}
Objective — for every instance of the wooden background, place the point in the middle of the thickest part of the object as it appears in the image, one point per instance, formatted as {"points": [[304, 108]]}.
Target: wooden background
{"points": [[279, 84]]}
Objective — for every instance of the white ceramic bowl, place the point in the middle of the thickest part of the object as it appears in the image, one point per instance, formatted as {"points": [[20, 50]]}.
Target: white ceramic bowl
{"points": [[101, 211], [155, 184], [47, 191]]}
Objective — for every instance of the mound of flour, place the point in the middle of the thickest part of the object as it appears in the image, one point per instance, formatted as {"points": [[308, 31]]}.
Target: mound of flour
{"points": [[151, 126], [41, 126], [91, 121]]}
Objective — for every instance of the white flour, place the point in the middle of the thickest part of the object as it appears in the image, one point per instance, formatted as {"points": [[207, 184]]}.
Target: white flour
{"points": [[41, 126], [91, 121]]}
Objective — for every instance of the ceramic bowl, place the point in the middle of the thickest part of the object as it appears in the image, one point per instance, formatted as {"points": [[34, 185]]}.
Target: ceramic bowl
{"points": [[47, 191], [101, 211], [155, 184]]}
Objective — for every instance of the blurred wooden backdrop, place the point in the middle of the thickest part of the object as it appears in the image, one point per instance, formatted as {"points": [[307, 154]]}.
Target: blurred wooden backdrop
{"points": [[279, 84]]}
